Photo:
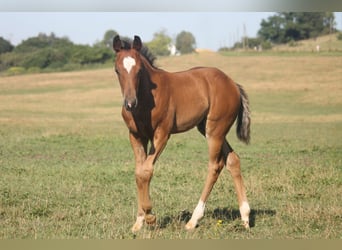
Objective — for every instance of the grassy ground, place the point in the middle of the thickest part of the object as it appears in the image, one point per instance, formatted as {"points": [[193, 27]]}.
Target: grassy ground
{"points": [[67, 167]]}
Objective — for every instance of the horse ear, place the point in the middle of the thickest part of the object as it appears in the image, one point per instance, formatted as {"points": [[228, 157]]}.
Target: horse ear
{"points": [[137, 44], [117, 43]]}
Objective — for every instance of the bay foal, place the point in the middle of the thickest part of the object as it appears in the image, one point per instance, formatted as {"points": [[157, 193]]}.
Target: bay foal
{"points": [[158, 103]]}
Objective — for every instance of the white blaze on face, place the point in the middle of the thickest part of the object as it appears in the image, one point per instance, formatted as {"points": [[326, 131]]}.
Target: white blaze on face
{"points": [[128, 63]]}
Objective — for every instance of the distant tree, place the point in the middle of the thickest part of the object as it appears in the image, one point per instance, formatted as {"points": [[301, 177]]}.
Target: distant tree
{"points": [[42, 41], [185, 42], [9, 59], [84, 54], [44, 58], [272, 29], [159, 46], [304, 25], [107, 40], [5, 46], [254, 42], [293, 26]]}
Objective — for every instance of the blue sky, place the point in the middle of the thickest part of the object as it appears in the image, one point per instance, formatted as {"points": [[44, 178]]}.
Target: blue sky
{"points": [[212, 30]]}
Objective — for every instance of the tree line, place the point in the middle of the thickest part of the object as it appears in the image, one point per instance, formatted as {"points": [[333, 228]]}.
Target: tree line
{"points": [[51, 53], [289, 27], [47, 52]]}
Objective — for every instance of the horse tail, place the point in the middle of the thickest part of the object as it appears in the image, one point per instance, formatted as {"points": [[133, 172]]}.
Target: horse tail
{"points": [[243, 119]]}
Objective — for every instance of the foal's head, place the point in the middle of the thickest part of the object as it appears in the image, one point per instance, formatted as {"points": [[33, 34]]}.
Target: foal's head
{"points": [[128, 67]]}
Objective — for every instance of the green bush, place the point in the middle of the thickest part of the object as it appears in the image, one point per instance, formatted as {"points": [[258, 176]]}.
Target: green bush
{"points": [[266, 45], [71, 67], [16, 71], [33, 70], [339, 36]]}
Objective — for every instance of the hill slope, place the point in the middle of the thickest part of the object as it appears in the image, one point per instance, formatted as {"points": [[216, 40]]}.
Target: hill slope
{"points": [[325, 43]]}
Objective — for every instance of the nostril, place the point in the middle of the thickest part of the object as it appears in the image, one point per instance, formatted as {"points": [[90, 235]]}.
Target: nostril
{"points": [[130, 104], [135, 103]]}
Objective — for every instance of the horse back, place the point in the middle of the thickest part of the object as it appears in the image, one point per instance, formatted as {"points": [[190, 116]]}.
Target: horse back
{"points": [[201, 93]]}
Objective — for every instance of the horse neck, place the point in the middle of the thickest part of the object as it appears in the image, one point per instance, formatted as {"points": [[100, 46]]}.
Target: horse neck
{"points": [[148, 80], [151, 70], [145, 92]]}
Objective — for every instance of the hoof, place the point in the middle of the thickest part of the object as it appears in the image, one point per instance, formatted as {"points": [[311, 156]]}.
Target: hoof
{"points": [[150, 219], [246, 224], [190, 226], [136, 228], [138, 224]]}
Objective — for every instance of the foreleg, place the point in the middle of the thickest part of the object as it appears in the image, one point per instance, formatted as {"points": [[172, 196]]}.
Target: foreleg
{"points": [[143, 174]]}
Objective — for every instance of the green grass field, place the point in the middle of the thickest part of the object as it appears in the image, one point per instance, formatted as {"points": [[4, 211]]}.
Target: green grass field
{"points": [[67, 169]]}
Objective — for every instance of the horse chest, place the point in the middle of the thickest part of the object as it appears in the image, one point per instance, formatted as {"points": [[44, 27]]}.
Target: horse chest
{"points": [[139, 124], [143, 127]]}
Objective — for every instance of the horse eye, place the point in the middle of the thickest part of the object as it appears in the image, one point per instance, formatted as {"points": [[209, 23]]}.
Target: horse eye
{"points": [[117, 71]]}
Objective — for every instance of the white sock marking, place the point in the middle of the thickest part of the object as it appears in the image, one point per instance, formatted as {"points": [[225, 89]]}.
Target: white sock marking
{"points": [[245, 210], [138, 223], [196, 215], [198, 212], [128, 63]]}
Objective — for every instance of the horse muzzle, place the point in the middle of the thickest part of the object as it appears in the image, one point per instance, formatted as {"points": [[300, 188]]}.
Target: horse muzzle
{"points": [[130, 104]]}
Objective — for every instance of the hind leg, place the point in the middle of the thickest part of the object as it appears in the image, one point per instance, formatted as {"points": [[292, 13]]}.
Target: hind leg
{"points": [[233, 165], [216, 164]]}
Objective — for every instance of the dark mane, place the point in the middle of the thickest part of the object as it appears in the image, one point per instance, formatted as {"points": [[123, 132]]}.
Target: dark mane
{"points": [[145, 52]]}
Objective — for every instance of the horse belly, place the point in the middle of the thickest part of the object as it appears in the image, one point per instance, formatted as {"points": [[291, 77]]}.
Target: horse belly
{"points": [[189, 116]]}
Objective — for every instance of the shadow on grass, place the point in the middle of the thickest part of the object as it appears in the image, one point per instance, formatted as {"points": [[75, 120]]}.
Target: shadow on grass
{"points": [[182, 217], [227, 214], [224, 214]]}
